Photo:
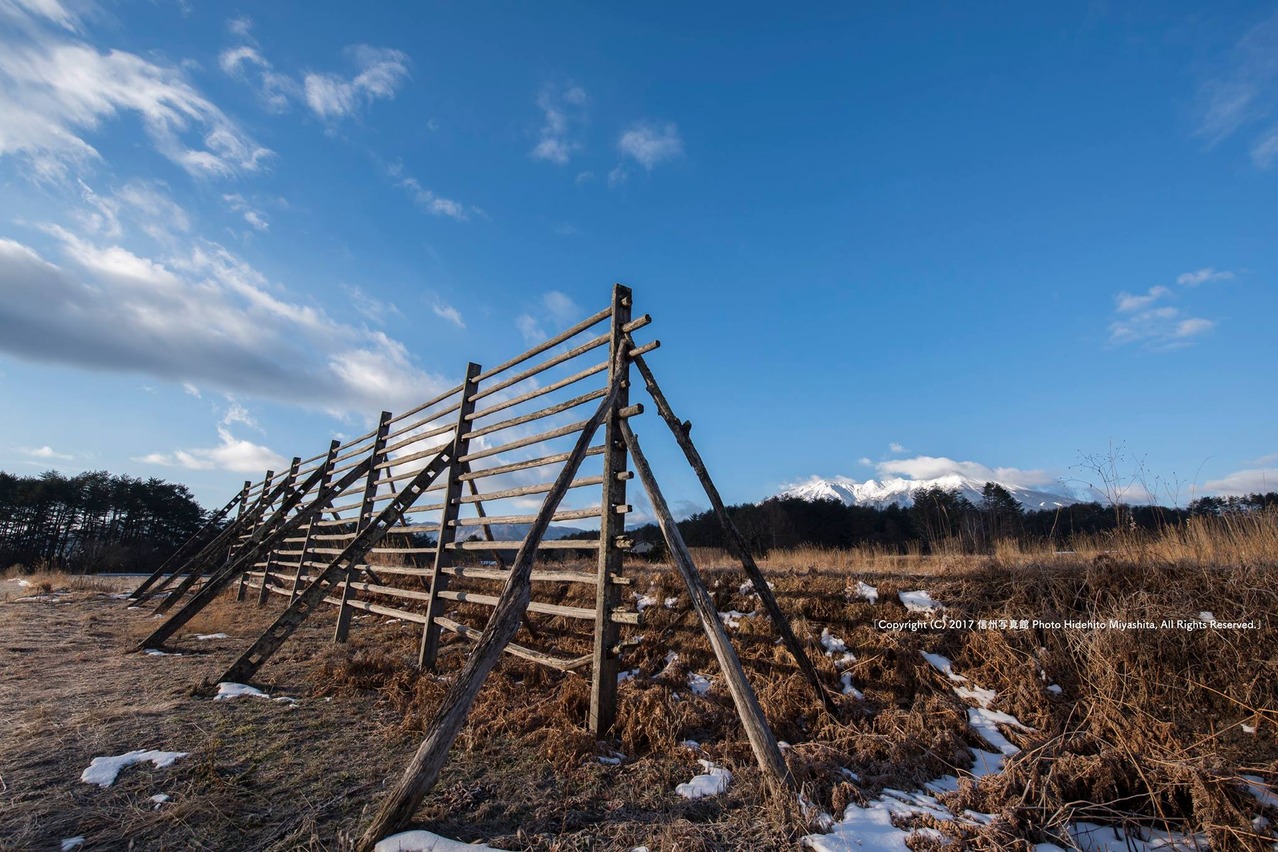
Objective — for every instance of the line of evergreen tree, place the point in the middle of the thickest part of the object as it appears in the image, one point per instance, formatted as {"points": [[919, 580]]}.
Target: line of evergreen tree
{"points": [[937, 515], [93, 521]]}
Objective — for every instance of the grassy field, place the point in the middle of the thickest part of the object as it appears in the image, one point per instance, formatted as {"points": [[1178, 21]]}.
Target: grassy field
{"points": [[1160, 728]]}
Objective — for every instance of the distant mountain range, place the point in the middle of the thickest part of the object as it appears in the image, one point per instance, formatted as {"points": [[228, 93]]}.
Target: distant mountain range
{"points": [[900, 491]]}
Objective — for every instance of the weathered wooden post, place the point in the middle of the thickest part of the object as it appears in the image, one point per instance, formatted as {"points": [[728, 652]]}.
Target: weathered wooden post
{"points": [[366, 511], [429, 647], [330, 462], [612, 523], [265, 590], [762, 741]]}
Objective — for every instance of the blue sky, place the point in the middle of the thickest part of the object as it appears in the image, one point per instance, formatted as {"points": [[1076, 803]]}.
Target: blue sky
{"points": [[876, 240]]}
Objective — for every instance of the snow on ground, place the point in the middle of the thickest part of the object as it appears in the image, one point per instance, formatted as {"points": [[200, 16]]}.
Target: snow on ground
{"points": [[919, 601], [732, 618], [1090, 837], [103, 770], [715, 781], [944, 666], [628, 674], [672, 602], [699, 684], [642, 602], [865, 590], [226, 691], [70, 843], [156, 652], [159, 799], [848, 688], [1262, 790], [834, 645], [204, 637], [425, 841]]}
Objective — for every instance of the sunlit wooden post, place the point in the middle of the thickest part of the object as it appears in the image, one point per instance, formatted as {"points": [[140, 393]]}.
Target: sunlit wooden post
{"points": [[366, 512]]}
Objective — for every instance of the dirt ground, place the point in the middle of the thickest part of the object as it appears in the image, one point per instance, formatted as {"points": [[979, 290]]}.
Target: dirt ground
{"points": [[1151, 729]]}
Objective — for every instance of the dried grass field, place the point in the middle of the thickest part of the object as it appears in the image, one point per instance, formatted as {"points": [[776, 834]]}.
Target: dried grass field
{"points": [[1154, 729]]}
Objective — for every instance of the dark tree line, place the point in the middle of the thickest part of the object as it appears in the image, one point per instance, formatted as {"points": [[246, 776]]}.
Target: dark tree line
{"points": [[93, 521], [937, 516]]}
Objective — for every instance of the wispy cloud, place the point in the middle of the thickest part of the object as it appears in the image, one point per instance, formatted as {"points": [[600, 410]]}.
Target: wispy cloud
{"points": [[564, 111], [432, 203], [256, 218], [1242, 97], [897, 448], [448, 312], [1256, 480], [1144, 319], [530, 329], [231, 454], [934, 467], [1202, 276], [380, 72], [55, 91], [650, 143], [45, 452], [368, 306]]}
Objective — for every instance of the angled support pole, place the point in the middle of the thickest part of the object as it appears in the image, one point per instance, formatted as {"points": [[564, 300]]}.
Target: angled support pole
{"points": [[423, 770], [337, 571], [378, 456], [329, 463], [429, 648], [188, 546], [605, 659], [736, 542], [762, 741], [212, 552], [250, 526], [271, 557], [260, 543]]}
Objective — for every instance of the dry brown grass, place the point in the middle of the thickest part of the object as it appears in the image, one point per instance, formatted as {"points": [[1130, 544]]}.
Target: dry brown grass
{"points": [[1148, 728]]}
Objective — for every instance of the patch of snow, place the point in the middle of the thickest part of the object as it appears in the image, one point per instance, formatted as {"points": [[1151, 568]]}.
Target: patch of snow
{"points": [[629, 674], [732, 618], [69, 843], [156, 652], [1262, 790], [1248, 729], [698, 684], [425, 841], [160, 799], [865, 590], [715, 781], [944, 666], [1091, 837], [642, 602], [103, 770], [692, 744], [848, 688], [833, 644], [609, 761], [919, 601], [204, 637], [985, 722], [671, 602], [226, 691], [1055, 689], [1206, 615], [982, 696]]}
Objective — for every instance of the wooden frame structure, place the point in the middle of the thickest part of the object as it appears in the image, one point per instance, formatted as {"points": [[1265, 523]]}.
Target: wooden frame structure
{"points": [[354, 526]]}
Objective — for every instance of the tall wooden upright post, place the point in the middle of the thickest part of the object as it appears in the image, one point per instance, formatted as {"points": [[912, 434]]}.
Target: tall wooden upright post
{"points": [[612, 523], [330, 462], [429, 649], [271, 558], [366, 512]]}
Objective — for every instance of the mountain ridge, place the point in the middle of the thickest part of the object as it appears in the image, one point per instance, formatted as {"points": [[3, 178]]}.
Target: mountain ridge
{"points": [[900, 491]]}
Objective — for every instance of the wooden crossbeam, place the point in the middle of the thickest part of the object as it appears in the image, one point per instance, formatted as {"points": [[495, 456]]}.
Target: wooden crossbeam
{"points": [[184, 552], [313, 595], [214, 585]]}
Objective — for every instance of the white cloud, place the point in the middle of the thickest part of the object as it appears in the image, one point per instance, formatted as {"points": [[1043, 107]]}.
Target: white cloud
{"points": [[897, 448], [1240, 482], [275, 90], [56, 91], [191, 390], [561, 308], [241, 26], [368, 306], [1203, 276], [449, 313], [252, 215], [618, 175], [1159, 328], [381, 71], [562, 112], [231, 454], [1128, 303], [530, 329], [933, 467], [142, 204], [200, 315], [45, 452], [432, 203], [1245, 93], [650, 144], [22, 11]]}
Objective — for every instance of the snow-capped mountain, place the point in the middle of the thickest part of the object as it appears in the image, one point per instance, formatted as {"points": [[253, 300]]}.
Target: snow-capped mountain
{"points": [[881, 494]]}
